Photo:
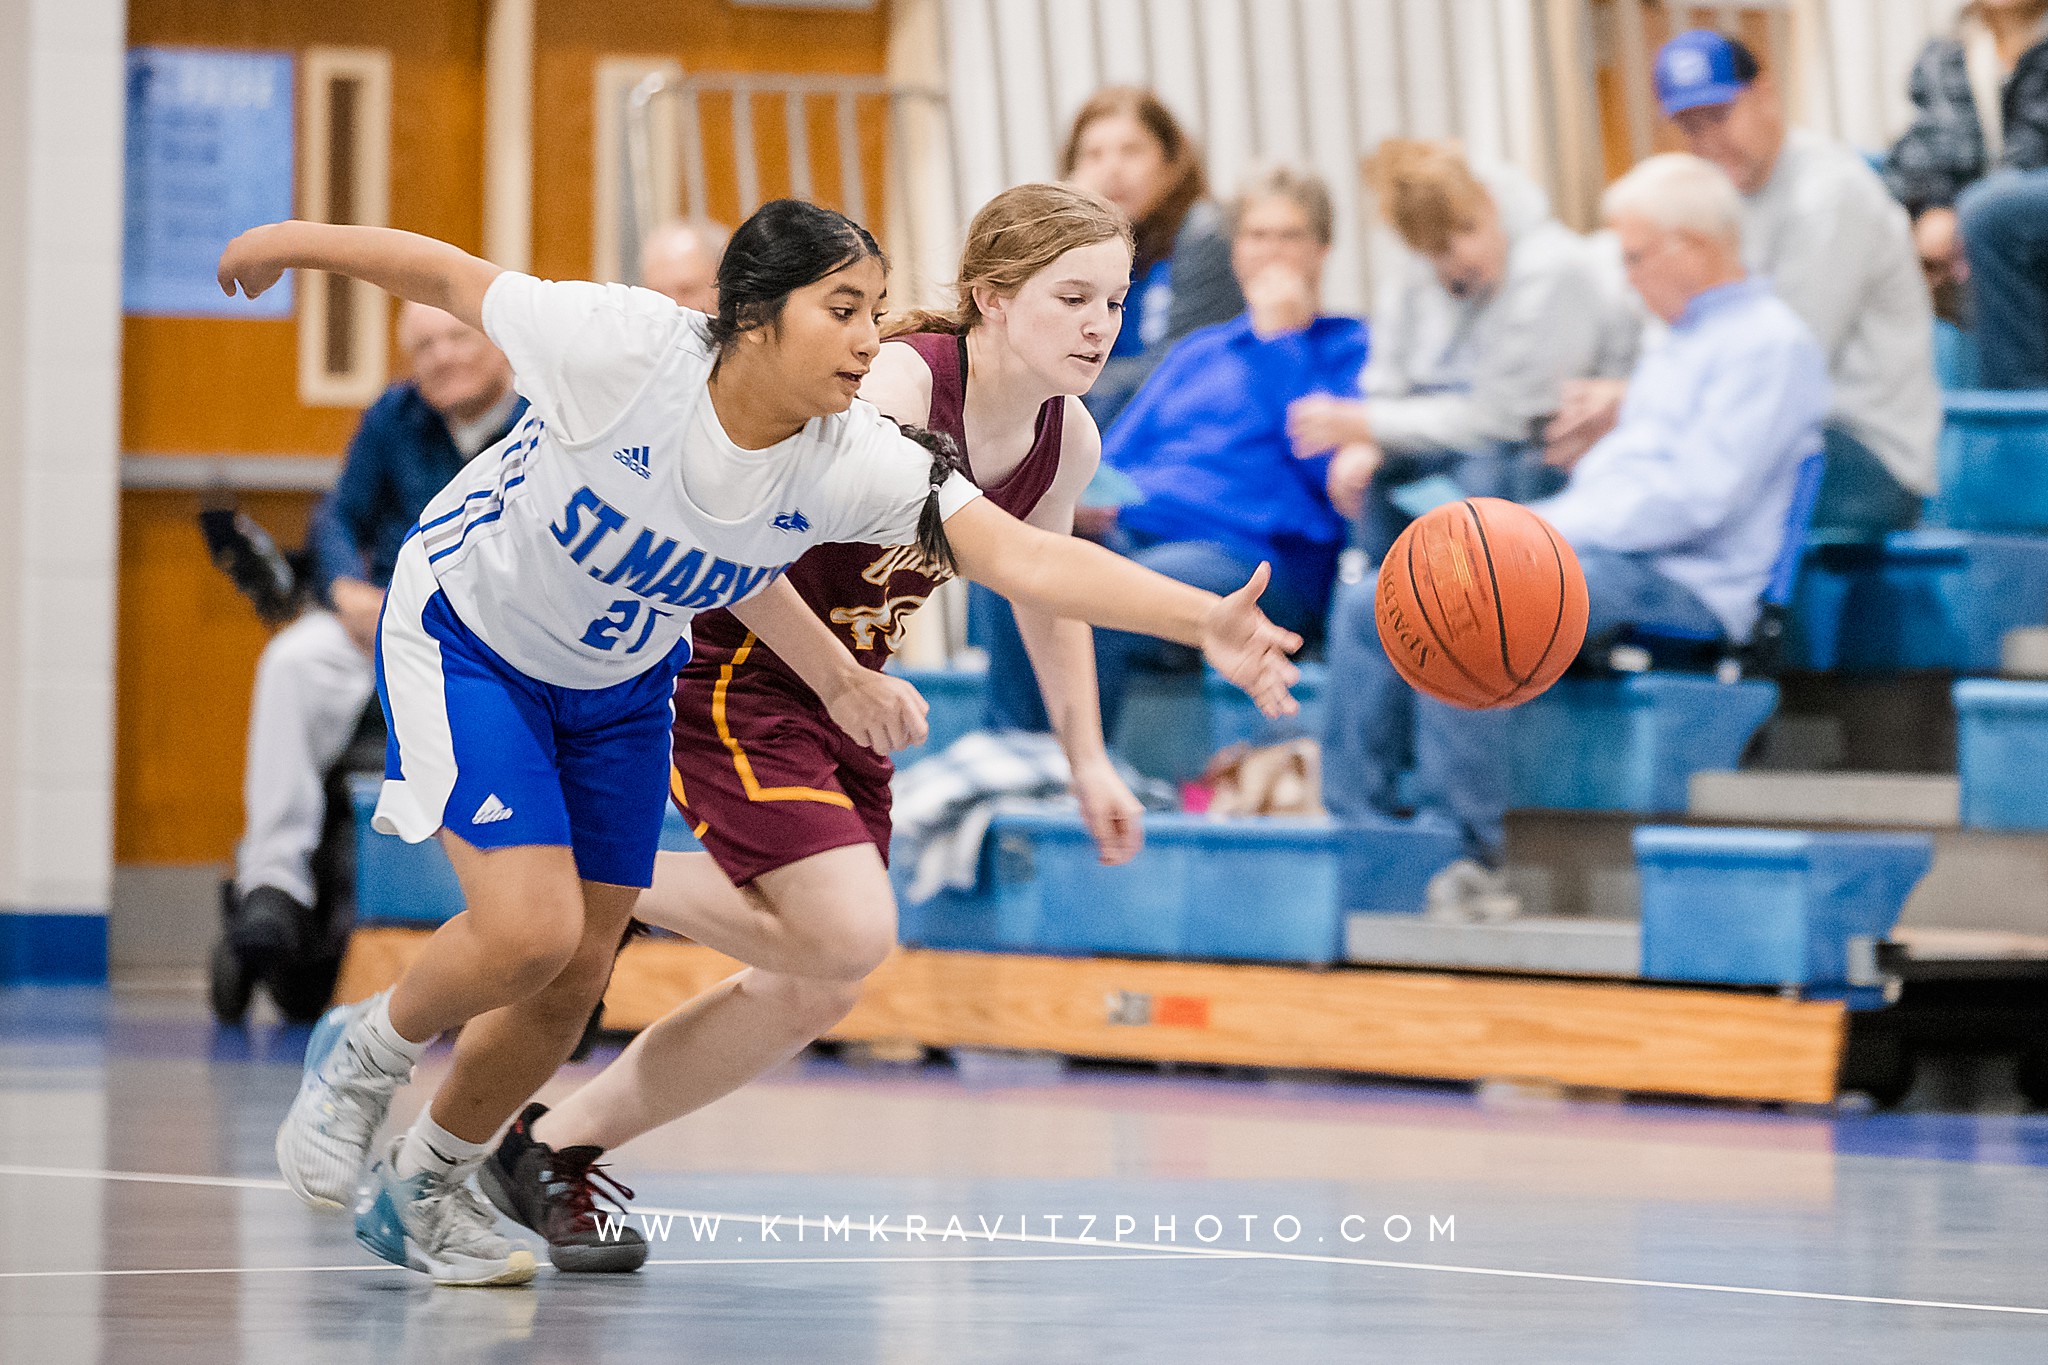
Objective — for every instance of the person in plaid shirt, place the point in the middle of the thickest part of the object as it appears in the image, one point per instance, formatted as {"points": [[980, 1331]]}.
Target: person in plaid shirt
{"points": [[1973, 171]]}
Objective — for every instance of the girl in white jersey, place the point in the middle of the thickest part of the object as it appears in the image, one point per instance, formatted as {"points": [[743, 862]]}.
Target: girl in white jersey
{"points": [[538, 616], [794, 816]]}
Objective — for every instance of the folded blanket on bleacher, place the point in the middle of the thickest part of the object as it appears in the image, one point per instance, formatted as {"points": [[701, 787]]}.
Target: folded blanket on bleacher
{"points": [[943, 805]]}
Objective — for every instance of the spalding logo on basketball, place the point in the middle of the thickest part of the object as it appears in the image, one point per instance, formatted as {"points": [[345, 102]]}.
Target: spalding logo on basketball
{"points": [[1481, 604]]}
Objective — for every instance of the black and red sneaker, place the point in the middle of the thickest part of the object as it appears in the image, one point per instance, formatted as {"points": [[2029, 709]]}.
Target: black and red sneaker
{"points": [[556, 1194]]}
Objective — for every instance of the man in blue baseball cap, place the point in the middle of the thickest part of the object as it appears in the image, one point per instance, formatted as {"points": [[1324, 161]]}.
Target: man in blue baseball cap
{"points": [[1819, 224]]}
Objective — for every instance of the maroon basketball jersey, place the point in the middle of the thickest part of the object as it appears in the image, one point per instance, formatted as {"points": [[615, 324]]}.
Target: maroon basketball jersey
{"points": [[867, 592]]}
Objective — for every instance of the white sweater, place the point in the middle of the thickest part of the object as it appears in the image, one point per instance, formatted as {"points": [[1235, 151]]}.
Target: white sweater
{"points": [[1838, 248], [1460, 374]]}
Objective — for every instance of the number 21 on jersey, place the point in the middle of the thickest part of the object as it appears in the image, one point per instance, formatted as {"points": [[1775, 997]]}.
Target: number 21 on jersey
{"points": [[609, 629]]}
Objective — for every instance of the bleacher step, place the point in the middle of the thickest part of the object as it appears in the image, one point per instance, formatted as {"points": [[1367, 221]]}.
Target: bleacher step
{"points": [[1555, 946], [1892, 800], [1970, 945]]}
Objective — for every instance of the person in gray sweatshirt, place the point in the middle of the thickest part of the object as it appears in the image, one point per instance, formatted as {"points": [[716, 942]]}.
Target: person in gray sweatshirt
{"points": [[1492, 307], [1821, 227]]}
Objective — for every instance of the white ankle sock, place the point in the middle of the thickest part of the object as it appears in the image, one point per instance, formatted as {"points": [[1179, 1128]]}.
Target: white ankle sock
{"points": [[430, 1147], [392, 1050]]}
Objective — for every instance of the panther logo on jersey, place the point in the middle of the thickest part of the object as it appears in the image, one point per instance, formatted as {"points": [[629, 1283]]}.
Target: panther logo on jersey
{"points": [[791, 521], [897, 559], [890, 620]]}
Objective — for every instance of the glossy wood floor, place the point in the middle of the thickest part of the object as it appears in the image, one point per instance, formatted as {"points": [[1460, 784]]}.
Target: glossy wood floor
{"points": [[1162, 1218]]}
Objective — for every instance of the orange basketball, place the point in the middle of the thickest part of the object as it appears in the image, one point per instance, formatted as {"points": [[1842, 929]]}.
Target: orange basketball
{"points": [[1481, 604]]}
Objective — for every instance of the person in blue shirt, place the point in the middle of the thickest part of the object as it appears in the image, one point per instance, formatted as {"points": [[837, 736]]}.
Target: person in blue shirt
{"points": [[1205, 441], [315, 677], [1677, 515]]}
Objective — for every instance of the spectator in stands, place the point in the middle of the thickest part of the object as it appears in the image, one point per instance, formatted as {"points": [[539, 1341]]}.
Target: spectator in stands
{"points": [[1127, 147], [680, 259], [1676, 515], [1494, 306], [1205, 441], [1973, 170], [315, 676], [1818, 224]]}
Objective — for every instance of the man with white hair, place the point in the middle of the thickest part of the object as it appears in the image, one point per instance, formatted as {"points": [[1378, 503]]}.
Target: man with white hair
{"points": [[1821, 227], [680, 259], [1677, 515], [315, 677]]}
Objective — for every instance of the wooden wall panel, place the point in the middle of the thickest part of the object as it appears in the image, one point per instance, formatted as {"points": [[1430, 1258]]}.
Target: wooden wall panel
{"points": [[187, 642], [188, 647], [571, 36], [214, 385]]}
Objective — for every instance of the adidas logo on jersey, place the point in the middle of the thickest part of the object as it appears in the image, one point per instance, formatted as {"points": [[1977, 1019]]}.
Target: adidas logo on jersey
{"points": [[633, 458], [791, 521], [491, 811]]}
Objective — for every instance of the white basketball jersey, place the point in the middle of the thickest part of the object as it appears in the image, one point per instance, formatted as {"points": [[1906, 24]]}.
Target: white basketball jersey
{"points": [[574, 548]]}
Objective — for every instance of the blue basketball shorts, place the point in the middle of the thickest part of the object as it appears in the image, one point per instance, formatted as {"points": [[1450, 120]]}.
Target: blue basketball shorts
{"points": [[500, 759]]}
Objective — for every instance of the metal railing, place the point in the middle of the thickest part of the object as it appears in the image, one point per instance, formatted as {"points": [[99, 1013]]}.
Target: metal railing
{"points": [[670, 122]]}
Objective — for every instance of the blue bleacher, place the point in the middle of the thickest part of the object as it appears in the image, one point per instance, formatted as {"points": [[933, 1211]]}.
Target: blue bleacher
{"points": [[2002, 753], [1934, 599], [1774, 907], [1631, 743], [414, 884], [1266, 890], [1994, 462]]}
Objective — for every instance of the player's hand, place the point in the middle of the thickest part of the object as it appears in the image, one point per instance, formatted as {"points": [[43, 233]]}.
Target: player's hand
{"points": [[1351, 474], [1589, 410], [1115, 818], [1241, 644], [1319, 424], [250, 263], [883, 713], [358, 605]]}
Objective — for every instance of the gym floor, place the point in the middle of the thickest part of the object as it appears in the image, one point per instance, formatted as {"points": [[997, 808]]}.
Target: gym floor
{"points": [[1173, 1217]]}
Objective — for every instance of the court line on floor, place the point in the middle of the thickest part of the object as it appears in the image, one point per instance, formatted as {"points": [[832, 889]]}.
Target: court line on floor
{"points": [[701, 1260], [1114, 1251]]}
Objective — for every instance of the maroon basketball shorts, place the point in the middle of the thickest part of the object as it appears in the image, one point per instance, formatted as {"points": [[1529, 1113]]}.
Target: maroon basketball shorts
{"points": [[765, 778]]}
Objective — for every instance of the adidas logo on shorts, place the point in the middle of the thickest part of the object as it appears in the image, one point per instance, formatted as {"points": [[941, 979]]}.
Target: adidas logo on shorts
{"points": [[491, 811], [633, 458]]}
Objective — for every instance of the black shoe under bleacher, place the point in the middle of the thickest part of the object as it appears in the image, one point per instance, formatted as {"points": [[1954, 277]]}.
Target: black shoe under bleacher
{"points": [[556, 1193]]}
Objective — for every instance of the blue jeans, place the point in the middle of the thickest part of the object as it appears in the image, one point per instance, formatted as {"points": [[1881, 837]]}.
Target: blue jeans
{"points": [[2004, 221], [1376, 727], [1859, 499], [1515, 472], [1014, 702]]}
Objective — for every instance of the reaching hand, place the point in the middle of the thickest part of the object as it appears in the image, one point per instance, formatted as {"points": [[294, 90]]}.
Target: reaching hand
{"points": [[1589, 411], [881, 712], [1114, 817], [358, 605], [1241, 644], [1351, 474], [248, 263], [1319, 424]]}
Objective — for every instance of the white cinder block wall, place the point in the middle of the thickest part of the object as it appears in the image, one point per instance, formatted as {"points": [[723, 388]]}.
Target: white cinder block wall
{"points": [[61, 118]]}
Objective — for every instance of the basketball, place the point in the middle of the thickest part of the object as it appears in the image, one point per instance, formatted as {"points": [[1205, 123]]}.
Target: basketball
{"points": [[1481, 604]]}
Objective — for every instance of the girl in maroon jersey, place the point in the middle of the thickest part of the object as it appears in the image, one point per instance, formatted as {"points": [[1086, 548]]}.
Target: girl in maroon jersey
{"points": [[793, 813]]}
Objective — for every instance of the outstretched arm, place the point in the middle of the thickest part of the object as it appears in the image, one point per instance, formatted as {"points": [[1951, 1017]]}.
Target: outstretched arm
{"points": [[1062, 655], [1066, 576], [881, 712], [403, 263]]}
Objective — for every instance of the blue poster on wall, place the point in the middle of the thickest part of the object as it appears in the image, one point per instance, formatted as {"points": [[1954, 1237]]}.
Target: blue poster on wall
{"points": [[209, 155]]}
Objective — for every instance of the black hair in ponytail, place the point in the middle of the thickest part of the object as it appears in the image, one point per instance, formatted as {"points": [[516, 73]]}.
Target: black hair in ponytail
{"points": [[947, 461], [783, 246]]}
